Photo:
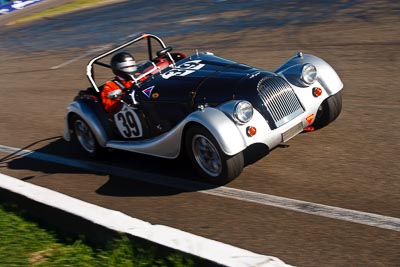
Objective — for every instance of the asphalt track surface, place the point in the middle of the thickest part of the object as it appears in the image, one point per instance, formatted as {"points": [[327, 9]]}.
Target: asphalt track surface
{"points": [[351, 164]]}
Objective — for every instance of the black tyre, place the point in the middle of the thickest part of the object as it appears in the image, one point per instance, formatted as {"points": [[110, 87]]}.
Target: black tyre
{"points": [[208, 159], [83, 135], [328, 111]]}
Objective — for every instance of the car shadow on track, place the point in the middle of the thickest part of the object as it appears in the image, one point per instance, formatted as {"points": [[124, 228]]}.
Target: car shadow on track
{"points": [[129, 174]]}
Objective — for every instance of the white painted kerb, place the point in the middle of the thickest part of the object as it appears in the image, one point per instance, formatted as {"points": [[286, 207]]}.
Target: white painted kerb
{"points": [[167, 236]]}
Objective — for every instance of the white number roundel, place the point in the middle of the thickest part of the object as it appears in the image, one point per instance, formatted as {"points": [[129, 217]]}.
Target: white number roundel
{"points": [[128, 123]]}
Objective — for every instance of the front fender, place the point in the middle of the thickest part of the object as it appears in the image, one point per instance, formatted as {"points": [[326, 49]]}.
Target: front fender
{"points": [[223, 128], [82, 109], [327, 76]]}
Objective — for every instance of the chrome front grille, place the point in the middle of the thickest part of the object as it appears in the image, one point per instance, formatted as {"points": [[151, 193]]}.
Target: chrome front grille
{"points": [[279, 99]]}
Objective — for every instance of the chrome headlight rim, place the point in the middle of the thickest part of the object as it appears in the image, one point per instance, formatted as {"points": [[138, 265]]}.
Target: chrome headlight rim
{"points": [[309, 74], [243, 112]]}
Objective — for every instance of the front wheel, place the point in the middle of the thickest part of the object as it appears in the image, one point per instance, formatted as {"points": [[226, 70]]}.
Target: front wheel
{"points": [[84, 136], [328, 111], [209, 160]]}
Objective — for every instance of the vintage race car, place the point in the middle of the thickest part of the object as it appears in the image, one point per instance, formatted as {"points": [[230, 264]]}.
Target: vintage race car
{"points": [[208, 107]]}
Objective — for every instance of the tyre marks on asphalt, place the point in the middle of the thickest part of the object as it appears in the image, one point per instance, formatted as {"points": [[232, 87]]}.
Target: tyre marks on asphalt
{"points": [[89, 53], [93, 51], [365, 218]]}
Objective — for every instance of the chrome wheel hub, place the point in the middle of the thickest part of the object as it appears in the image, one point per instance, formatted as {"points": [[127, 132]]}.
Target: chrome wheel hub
{"points": [[85, 136], [206, 155]]}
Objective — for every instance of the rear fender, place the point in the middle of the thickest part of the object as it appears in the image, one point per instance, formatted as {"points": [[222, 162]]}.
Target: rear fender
{"points": [[87, 113]]}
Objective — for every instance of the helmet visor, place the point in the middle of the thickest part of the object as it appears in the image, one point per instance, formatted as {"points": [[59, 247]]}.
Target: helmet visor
{"points": [[128, 66]]}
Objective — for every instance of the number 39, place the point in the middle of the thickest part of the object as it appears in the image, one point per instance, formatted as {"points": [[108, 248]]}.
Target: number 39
{"points": [[128, 124]]}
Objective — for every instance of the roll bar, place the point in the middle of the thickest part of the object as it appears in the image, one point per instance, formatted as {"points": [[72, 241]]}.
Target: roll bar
{"points": [[136, 38]]}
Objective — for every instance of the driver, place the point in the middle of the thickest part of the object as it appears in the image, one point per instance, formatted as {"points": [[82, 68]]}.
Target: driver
{"points": [[124, 67]]}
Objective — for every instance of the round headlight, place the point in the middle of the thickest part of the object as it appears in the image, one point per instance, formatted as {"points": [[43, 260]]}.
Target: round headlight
{"points": [[308, 74], [243, 112]]}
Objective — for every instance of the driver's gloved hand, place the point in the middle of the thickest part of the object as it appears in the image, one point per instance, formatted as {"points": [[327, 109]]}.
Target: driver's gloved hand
{"points": [[115, 94]]}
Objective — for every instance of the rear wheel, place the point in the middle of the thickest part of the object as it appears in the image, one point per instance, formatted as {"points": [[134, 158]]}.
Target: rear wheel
{"points": [[84, 136], [209, 160], [328, 111]]}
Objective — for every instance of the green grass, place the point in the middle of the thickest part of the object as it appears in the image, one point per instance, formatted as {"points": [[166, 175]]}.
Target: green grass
{"points": [[75, 5], [25, 243]]}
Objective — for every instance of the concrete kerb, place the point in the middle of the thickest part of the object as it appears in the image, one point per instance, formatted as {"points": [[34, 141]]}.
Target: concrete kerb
{"points": [[101, 225]]}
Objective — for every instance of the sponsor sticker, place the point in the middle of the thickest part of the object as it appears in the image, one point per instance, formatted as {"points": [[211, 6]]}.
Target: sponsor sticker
{"points": [[147, 91]]}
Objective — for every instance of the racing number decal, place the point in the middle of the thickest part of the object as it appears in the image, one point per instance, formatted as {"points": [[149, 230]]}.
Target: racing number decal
{"points": [[184, 69], [128, 123]]}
